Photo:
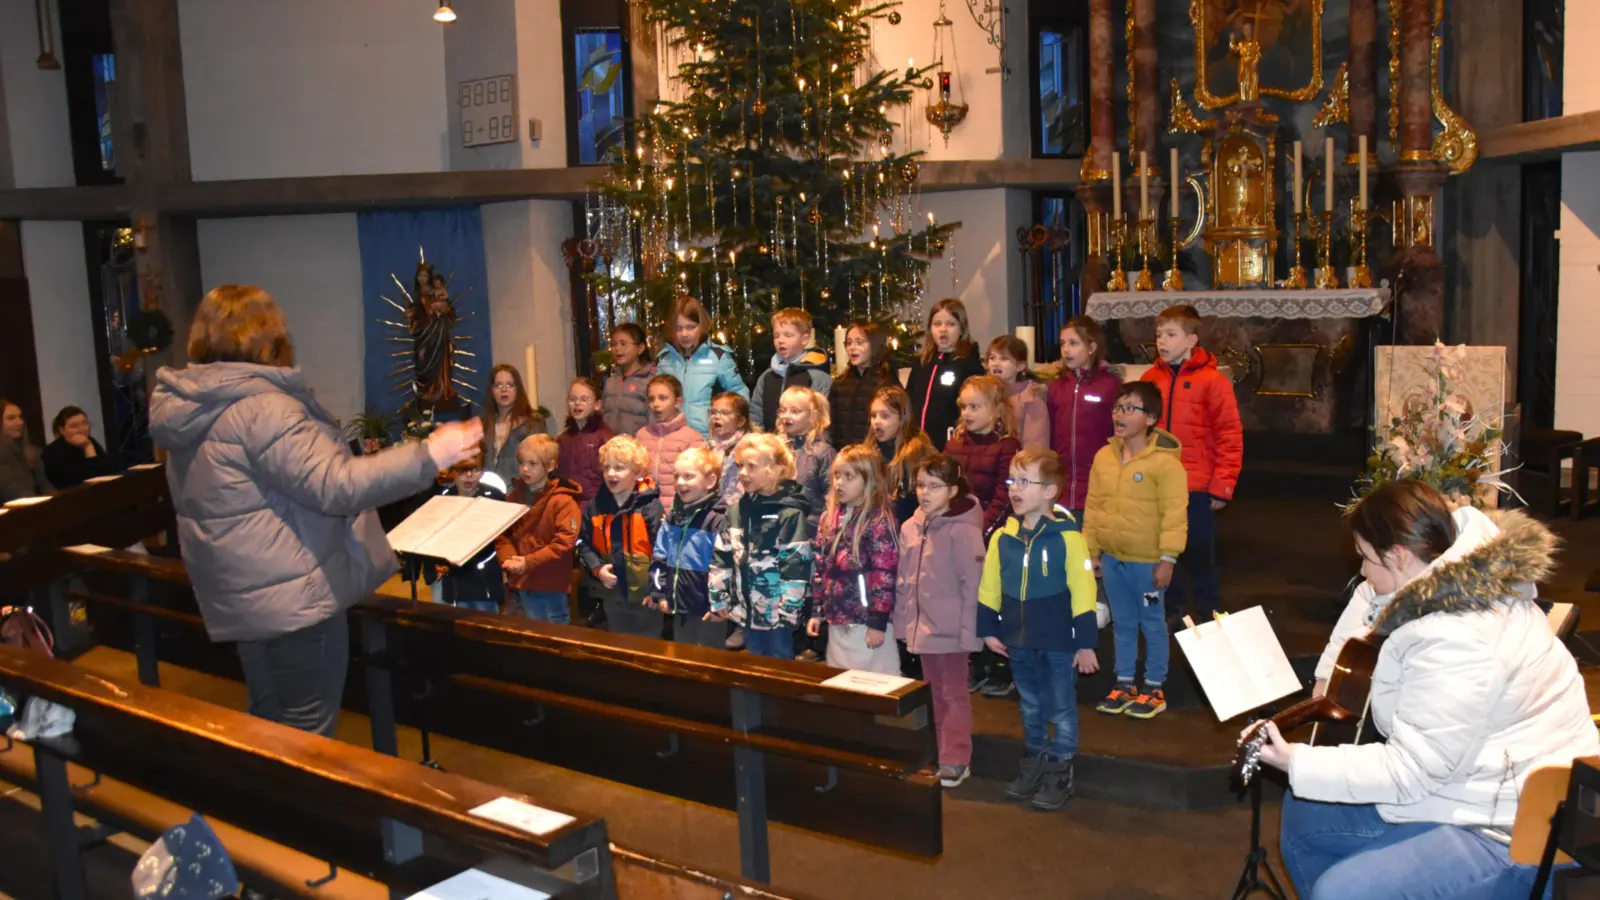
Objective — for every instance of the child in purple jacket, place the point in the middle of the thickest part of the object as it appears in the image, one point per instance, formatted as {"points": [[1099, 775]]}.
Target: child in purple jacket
{"points": [[1080, 404]]}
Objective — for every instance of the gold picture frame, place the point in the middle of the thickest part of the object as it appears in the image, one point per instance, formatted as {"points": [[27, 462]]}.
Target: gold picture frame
{"points": [[1294, 375], [1202, 84]]}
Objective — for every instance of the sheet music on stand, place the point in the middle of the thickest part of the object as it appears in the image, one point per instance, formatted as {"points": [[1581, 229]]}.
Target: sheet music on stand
{"points": [[454, 529], [1240, 664]]}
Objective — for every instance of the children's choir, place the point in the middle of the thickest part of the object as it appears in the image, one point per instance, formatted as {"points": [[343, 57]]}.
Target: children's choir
{"points": [[954, 528]]}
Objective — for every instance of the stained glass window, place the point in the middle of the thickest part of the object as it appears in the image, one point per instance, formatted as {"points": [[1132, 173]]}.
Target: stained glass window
{"points": [[601, 84]]}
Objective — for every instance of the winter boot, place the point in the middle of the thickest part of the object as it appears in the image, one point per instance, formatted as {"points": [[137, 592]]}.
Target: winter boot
{"points": [[1027, 781], [1055, 785]]}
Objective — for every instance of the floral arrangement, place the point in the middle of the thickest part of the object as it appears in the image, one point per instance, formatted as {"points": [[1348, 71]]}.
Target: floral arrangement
{"points": [[1439, 439]]}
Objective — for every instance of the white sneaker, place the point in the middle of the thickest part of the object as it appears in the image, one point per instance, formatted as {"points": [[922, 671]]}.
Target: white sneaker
{"points": [[952, 776]]}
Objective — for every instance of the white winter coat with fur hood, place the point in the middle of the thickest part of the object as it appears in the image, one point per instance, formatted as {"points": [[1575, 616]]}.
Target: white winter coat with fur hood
{"points": [[1471, 688]]}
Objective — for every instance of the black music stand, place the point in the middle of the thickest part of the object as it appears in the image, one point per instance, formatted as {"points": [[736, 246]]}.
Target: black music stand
{"points": [[407, 560], [1258, 877]]}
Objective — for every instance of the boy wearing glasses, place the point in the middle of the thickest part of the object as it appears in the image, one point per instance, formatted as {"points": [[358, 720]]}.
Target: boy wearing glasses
{"points": [[1136, 523], [1036, 607]]}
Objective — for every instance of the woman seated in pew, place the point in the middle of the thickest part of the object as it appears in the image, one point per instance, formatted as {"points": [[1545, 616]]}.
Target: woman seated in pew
{"points": [[75, 456], [1472, 691], [21, 467], [275, 516]]}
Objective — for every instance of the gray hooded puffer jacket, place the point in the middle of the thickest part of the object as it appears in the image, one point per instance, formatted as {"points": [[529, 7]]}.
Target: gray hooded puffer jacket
{"points": [[274, 513]]}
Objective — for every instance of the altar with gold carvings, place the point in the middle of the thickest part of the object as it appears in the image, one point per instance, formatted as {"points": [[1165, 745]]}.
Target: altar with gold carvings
{"points": [[1287, 352]]}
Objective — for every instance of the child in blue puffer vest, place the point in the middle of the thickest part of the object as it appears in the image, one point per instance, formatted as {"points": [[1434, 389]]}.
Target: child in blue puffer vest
{"points": [[681, 567]]}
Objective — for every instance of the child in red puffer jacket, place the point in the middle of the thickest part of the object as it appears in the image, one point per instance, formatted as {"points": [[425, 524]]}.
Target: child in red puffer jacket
{"points": [[984, 444]]}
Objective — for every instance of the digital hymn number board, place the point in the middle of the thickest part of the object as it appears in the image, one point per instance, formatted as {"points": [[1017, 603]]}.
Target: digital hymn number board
{"points": [[488, 108]]}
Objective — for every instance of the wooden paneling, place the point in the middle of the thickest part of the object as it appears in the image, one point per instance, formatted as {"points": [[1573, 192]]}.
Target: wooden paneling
{"points": [[1546, 139]]}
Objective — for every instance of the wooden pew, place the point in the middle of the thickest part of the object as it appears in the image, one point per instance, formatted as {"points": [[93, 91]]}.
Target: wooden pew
{"points": [[354, 808], [667, 717]]}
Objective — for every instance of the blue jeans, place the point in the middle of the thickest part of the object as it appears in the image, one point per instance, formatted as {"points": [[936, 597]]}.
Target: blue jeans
{"points": [[1335, 851], [1197, 567], [546, 606], [1127, 583], [774, 643], [1047, 691]]}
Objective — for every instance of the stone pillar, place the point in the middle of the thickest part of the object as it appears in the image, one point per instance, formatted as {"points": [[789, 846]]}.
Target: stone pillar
{"points": [[1146, 114], [1102, 83], [1416, 113], [1422, 280], [1363, 70]]}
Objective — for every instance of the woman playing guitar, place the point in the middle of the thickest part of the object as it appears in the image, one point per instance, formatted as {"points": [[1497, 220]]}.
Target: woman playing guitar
{"points": [[1472, 692]]}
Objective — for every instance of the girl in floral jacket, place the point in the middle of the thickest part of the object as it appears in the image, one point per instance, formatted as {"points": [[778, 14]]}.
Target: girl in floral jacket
{"points": [[853, 572]]}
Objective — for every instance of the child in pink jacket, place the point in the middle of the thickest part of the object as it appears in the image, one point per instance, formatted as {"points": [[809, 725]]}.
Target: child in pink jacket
{"points": [[936, 602], [667, 435]]}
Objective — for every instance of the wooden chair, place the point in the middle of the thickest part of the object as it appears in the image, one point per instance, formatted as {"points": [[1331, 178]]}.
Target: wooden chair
{"points": [[1543, 451], [1553, 802]]}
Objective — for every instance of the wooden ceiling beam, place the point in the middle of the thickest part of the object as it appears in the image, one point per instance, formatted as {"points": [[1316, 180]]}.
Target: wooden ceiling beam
{"points": [[359, 193], [1544, 139]]}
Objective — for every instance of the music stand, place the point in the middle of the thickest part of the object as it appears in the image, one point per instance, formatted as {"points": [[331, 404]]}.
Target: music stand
{"points": [[1256, 863], [419, 561]]}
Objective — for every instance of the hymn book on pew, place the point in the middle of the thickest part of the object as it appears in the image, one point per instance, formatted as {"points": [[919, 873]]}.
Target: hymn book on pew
{"points": [[454, 529], [1240, 664]]}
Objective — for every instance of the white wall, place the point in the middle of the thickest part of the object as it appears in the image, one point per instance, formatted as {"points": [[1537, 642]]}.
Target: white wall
{"points": [[528, 294], [304, 87], [984, 258], [497, 37], [312, 266], [1578, 307], [35, 106], [63, 319]]}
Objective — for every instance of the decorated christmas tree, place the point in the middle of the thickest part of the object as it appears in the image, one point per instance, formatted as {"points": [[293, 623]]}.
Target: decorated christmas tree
{"points": [[774, 179]]}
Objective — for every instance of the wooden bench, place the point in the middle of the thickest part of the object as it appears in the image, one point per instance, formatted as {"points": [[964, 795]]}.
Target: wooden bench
{"points": [[351, 807], [657, 715]]}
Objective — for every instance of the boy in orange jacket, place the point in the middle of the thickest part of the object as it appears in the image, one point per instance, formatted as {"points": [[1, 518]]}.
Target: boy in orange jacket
{"points": [[1199, 409]]}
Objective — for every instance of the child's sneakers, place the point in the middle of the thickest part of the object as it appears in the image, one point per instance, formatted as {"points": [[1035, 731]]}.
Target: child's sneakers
{"points": [[952, 776], [1055, 785], [1027, 781], [1117, 702], [1149, 704]]}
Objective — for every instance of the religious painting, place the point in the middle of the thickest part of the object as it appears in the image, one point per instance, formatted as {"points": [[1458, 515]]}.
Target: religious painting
{"points": [[1249, 49]]}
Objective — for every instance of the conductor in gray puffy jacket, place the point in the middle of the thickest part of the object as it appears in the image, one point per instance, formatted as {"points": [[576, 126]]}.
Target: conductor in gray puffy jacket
{"points": [[275, 516]]}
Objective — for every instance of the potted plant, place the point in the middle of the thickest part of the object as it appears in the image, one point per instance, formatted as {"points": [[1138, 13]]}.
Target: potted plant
{"points": [[374, 429]]}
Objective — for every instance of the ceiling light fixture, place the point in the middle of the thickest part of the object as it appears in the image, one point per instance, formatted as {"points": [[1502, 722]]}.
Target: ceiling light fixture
{"points": [[445, 13]]}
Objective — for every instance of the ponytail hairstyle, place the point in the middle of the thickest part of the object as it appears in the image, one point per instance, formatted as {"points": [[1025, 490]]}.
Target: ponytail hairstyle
{"points": [[1405, 513], [866, 462], [1013, 348], [1089, 332], [994, 392], [636, 333], [911, 446]]}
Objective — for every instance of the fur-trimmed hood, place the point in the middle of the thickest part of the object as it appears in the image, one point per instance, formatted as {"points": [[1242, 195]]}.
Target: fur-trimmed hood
{"points": [[1496, 555]]}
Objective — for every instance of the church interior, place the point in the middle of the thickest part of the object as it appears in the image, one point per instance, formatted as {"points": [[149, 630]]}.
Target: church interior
{"points": [[1368, 219]]}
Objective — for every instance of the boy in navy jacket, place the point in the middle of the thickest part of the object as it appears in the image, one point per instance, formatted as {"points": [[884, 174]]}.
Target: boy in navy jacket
{"points": [[1036, 607]]}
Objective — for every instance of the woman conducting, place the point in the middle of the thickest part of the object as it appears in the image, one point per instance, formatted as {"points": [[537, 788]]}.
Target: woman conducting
{"points": [[275, 516]]}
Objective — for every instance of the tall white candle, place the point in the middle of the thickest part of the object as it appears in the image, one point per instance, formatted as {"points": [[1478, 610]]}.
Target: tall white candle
{"points": [[1025, 333], [1144, 184], [530, 375], [841, 358], [1362, 150], [1175, 183], [1116, 186], [1299, 182], [1327, 188]]}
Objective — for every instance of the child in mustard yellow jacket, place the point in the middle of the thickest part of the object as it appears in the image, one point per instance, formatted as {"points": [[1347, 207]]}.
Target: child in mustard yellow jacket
{"points": [[1136, 523]]}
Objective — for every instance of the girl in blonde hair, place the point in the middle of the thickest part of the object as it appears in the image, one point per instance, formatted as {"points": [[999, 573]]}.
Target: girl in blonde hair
{"points": [[852, 580], [803, 420], [984, 444]]}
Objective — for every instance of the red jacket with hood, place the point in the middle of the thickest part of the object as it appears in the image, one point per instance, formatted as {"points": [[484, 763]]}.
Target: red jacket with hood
{"points": [[1199, 409]]}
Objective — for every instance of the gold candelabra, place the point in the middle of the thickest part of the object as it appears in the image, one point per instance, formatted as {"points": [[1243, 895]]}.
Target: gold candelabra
{"points": [[1297, 275], [1119, 236], [1360, 220], [1322, 232], [1174, 279], [1145, 280]]}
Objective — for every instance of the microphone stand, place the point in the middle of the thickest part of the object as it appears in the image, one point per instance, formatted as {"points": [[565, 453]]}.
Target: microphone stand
{"points": [[1256, 864]]}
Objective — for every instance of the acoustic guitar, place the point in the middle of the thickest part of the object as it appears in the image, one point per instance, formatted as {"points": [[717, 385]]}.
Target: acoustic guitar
{"points": [[1339, 715]]}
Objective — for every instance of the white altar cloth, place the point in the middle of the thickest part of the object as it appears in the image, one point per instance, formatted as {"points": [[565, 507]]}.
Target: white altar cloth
{"points": [[1307, 304]]}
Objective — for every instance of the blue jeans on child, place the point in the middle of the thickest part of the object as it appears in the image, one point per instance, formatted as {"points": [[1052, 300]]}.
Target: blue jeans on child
{"points": [[1337, 851], [1047, 691], [546, 606], [775, 643], [1127, 583]]}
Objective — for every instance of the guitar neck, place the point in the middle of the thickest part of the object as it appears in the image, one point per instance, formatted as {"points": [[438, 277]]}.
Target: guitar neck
{"points": [[1306, 711]]}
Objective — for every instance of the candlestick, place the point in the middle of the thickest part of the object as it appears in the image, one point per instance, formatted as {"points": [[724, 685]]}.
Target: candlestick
{"points": [[1299, 183], [1327, 188], [1326, 277], [1116, 188], [1144, 185], [1175, 182], [1119, 234], [841, 358], [1174, 279], [1362, 150], [1297, 275], [1145, 280], [530, 374], [1359, 220]]}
